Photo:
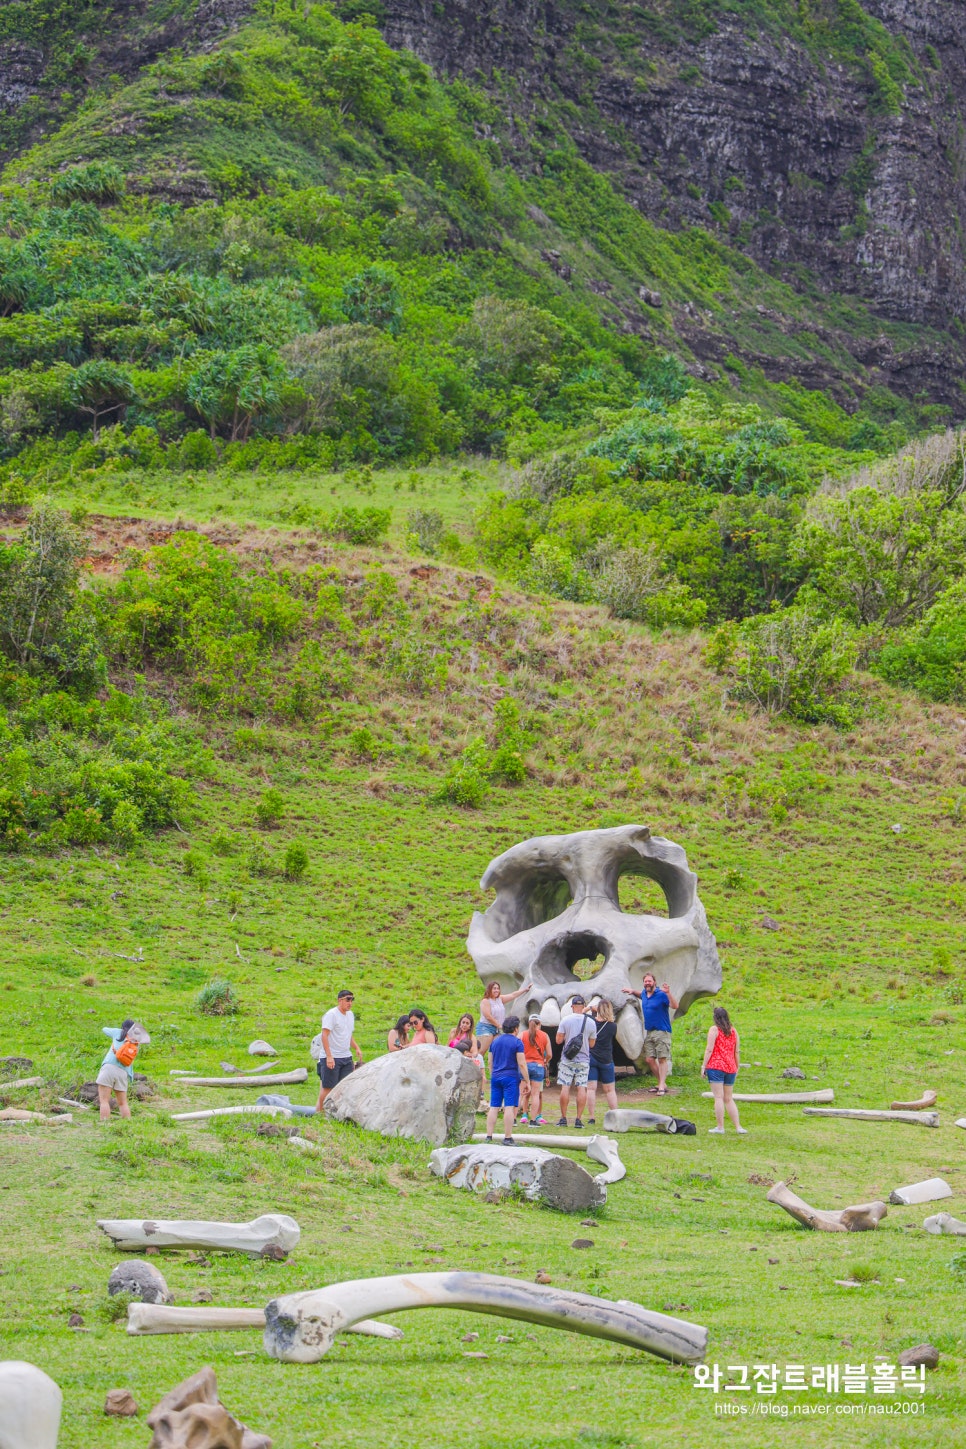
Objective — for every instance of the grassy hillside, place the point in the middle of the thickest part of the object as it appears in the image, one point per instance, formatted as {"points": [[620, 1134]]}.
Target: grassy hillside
{"points": [[861, 985]]}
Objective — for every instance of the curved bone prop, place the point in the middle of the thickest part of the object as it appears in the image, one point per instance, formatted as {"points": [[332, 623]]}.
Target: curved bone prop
{"points": [[300, 1327], [557, 903], [628, 1119], [145, 1318], [928, 1099], [30, 1405], [918, 1119], [862, 1218], [276, 1079], [271, 1230], [785, 1098], [599, 1149]]}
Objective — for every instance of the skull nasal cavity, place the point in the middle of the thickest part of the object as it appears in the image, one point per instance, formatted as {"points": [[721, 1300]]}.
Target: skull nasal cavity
{"points": [[573, 956]]}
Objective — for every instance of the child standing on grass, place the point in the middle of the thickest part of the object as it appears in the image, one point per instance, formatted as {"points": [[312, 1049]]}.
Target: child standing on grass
{"points": [[721, 1066], [117, 1068]]}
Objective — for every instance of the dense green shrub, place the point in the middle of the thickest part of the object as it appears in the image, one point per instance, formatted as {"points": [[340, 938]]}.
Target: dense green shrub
{"points": [[218, 998], [789, 662]]}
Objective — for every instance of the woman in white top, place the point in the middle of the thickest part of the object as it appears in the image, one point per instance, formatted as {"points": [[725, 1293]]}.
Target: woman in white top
{"points": [[493, 1012]]}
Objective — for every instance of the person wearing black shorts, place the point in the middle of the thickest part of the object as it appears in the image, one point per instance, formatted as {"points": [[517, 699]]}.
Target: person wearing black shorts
{"points": [[338, 1044]]}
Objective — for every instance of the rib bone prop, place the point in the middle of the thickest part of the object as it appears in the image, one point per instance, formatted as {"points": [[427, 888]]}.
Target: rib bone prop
{"points": [[150, 1318], [276, 1079], [271, 1230], [859, 1219], [300, 1327], [598, 1148], [932, 1190], [928, 1099], [918, 1119], [788, 1099]]}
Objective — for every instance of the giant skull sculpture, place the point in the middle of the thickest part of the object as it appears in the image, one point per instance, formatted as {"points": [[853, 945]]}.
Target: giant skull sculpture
{"points": [[556, 904]]}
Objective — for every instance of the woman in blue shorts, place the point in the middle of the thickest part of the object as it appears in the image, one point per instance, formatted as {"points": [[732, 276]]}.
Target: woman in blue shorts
{"points": [[508, 1068], [493, 1011]]}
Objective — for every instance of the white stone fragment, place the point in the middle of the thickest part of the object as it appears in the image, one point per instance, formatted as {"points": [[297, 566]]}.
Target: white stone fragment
{"points": [[929, 1191]]}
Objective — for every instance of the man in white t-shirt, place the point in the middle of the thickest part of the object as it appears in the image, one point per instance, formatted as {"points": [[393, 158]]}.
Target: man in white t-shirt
{"points": [[338, 1044]]}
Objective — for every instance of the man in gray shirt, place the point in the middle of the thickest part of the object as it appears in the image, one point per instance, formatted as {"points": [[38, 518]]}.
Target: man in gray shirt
{"points": [[573, 1071]]}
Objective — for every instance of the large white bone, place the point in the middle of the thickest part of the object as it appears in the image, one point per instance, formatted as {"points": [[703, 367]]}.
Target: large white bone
{"points": [[149, 1318], [862, 1218], [945, 1223], [932, 1190], [16, 1085], [300, 1327], [271, 1230], [599, 1149], [18, 1114], [274, 1079], [231, 1112], [557, 904], [917, 1119], [629, 1119], [787, 1098], [30, 1405]]}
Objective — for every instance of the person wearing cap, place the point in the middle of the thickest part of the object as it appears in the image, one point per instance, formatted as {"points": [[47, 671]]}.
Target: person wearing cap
{"points": [[574, 1069], [536, 1052], [338, 1044]]}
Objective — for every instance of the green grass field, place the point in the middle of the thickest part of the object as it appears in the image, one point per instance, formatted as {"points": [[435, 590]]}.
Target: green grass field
{"points": [[862, 987]]}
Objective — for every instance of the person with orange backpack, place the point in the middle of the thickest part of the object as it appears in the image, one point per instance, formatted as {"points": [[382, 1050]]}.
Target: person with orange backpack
{"points": [[117, 1068]]}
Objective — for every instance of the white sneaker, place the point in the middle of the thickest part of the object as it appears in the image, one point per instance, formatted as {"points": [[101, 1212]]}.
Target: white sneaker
{"points": [[718, 1130], [742, 1131]]}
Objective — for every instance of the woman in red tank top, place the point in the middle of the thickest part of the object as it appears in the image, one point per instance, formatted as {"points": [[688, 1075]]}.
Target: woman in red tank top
{"points": [[721, 1066]]}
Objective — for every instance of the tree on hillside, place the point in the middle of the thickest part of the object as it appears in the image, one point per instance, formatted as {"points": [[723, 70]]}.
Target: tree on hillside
{"points": [[231, 389], [41, 626], [372, 299], [99, 388]]}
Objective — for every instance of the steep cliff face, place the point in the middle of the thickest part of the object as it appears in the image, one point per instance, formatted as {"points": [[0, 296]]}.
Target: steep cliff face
{"points": [[840, 154]]}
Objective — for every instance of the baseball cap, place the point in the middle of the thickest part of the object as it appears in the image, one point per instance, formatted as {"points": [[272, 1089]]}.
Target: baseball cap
{"points": [[350, 994], [577, 1001], [534, 1016]]}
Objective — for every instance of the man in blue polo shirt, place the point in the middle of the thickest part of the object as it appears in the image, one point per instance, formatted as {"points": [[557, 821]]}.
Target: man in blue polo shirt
{"points": [[657, 1007]]}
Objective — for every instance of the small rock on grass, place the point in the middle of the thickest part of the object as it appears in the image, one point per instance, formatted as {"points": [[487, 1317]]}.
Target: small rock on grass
{"points": [[75, 1321], [796, 1074], [140, 1280], [120, 1404], [470, 1337], [924, 1354], [476, 1355], [201, 1295], [589, 1223], [543, 1277], [582, 1243]]}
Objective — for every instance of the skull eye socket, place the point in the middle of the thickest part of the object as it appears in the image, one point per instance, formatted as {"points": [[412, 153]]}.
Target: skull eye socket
{"points": [[641, 895], [540, 896]]}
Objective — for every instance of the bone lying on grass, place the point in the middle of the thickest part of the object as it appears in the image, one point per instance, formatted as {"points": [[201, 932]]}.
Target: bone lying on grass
{"points": [[270, 1079], [243, 1110], [271, 1230], [945, 1223], [787, 1099], [928, 1099], [19, 1082], [917, 1119], [19, 1114], [628, 1119], [151, 1318], [301, 1327], [929, 1191], [537, 1174], [598, 1148], [862, 1218]]}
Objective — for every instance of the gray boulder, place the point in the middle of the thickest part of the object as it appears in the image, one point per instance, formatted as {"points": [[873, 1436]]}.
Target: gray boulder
{"points": [[540, 1175], [795, 1073], [427, 1092], [142, 1280]]}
